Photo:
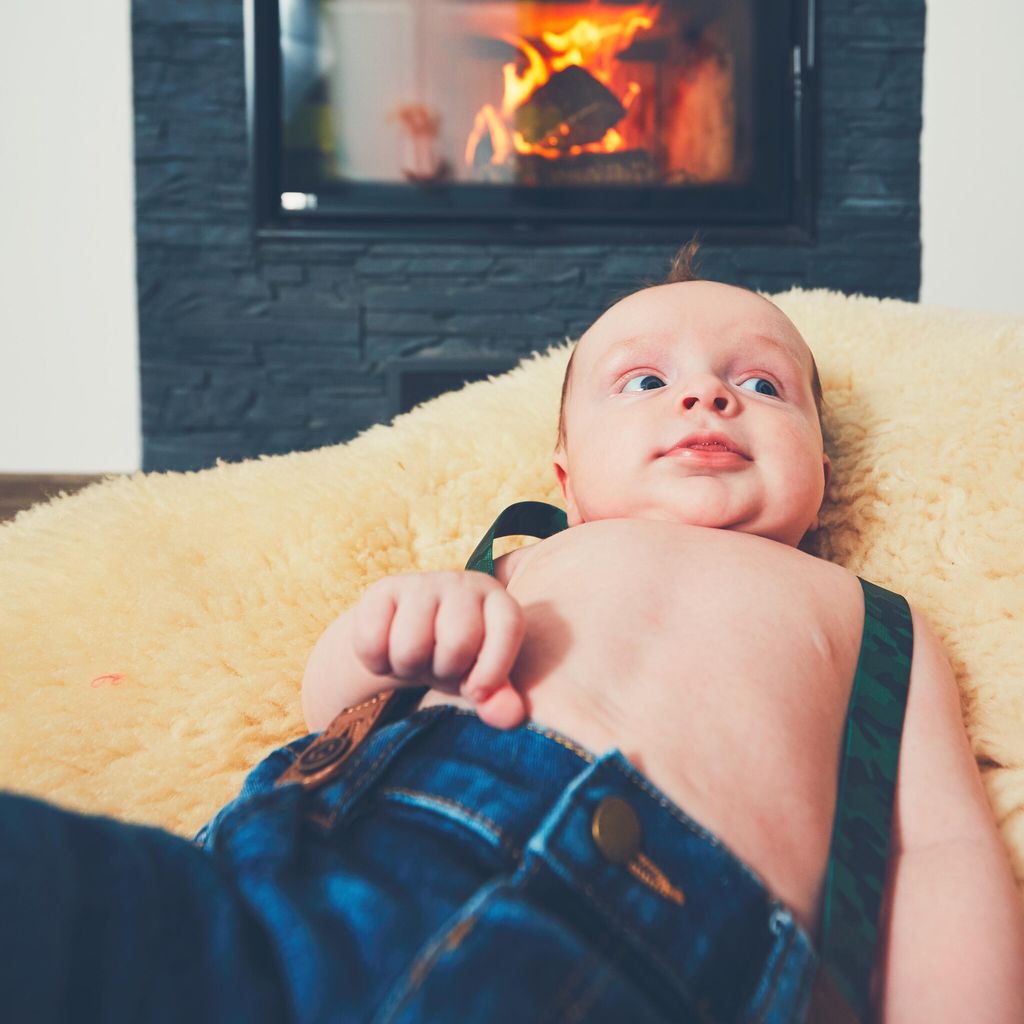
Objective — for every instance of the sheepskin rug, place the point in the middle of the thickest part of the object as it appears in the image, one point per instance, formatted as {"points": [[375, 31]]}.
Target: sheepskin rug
{"points": [[154, 628]]}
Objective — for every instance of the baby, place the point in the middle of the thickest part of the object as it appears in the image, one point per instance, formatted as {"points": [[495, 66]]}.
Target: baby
{"points": [[653, 776], [678, 621]]}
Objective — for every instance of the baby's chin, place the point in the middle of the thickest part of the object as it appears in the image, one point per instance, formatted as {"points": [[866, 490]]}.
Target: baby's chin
{"points": [[711, 508], [657, 514], [703, 520]]}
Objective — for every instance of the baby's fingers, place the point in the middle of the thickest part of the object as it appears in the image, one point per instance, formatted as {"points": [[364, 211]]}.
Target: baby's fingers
{"points": [[411, 644], [458, 634], [503, 636], [371, 628], [504, 708]]}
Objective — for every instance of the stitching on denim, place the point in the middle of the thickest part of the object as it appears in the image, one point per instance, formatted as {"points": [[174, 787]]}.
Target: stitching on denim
{"points": [[767, 988], [348, 797], [602, 944], [610, 915], [458, 934], [586, 1000], [429, 958], [783, 956], [604, 947], [694, 826], [568, 1014], [587, 997], [687, 821], [643, 868], [562, 741], [503, 840], [544, 731], [616, 922], [638, 780], [810, 971]]}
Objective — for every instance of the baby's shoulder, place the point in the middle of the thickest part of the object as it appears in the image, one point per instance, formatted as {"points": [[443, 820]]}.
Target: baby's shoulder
{"points": [[507, 564]]}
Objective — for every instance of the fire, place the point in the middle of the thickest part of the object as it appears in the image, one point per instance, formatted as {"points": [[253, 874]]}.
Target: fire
{"points": [[599, 92], [586, 40]]}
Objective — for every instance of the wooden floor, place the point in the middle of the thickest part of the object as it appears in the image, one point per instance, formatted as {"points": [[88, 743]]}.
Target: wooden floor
{"points": [[20, 490]]}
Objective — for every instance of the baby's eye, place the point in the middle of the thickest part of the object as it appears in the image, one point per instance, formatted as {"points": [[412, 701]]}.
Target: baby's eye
{"points": [[644, 380], [762, 380]]}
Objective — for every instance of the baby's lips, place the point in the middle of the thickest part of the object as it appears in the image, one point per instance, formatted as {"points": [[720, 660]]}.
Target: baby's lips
{"points": [[710, 437]]}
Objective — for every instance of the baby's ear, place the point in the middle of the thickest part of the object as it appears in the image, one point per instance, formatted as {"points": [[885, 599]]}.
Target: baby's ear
{"points": [[826, 465], [562, 473]]}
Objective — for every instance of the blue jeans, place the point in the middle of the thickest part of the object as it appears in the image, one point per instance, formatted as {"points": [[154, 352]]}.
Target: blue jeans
{"points": [[450, 873]]}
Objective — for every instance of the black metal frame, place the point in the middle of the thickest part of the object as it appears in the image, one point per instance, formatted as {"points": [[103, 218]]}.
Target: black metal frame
{"points": [[779, 211], [404, 376]]}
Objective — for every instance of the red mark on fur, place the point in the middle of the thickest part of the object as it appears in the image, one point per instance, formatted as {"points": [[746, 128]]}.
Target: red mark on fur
{"points": [[114, 679]]}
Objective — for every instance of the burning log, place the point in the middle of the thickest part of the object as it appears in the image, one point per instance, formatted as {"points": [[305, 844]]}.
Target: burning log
{"points": [[625, 167], [571, 109]]}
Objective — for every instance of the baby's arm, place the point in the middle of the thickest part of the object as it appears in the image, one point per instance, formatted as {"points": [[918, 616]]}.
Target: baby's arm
{"points": [[458, 632], [952, 941]]}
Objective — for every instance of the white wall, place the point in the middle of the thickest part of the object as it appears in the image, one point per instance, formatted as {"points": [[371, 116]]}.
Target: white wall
{"points": [[972, 156], [68, 330], [69, 390]]}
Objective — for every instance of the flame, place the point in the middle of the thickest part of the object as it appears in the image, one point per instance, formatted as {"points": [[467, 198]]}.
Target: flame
{"points": [[586, 40], [590, 42]]}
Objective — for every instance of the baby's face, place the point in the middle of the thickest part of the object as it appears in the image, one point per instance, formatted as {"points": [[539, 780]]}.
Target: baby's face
{"points": [[691, 358]]}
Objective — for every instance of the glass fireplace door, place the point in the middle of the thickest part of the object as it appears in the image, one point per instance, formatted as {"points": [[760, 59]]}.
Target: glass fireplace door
{"points": [[509, 107]]}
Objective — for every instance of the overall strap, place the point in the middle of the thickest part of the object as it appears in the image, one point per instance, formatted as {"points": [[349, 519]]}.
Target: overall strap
{"points": [[859, 854], [524, 518]]}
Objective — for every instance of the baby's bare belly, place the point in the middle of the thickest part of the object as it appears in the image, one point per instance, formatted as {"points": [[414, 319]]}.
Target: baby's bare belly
{"points": [[720, 664]]}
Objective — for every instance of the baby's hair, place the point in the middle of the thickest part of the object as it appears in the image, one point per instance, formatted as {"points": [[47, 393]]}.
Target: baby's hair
{"points": [[683, 269]]}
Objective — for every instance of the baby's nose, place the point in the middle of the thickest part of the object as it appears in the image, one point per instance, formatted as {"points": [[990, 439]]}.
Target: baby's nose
{"points": [[709, 391]]}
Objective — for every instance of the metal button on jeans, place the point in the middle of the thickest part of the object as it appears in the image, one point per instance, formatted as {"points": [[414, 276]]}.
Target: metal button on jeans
{"points": [[616, 830]]}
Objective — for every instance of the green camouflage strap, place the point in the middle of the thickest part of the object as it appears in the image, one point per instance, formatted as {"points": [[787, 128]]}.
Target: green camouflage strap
{"points": [[858, 859], [523, 519]]}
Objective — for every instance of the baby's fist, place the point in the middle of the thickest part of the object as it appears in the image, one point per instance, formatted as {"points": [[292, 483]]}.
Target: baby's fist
{"points": [[458, 632]]}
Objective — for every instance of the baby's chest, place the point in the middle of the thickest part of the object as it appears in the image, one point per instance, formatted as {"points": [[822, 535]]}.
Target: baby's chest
{"points": [[713, 619]]}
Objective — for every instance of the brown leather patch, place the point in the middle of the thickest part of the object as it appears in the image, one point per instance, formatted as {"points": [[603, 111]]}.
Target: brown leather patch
{"points": [[324, 758]]}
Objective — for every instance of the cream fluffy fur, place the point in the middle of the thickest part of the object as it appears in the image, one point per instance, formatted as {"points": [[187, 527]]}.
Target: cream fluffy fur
{"points": [[154, 629]]}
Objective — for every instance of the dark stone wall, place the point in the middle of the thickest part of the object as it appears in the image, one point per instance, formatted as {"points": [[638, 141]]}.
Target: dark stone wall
{"points": [[250, 347]]}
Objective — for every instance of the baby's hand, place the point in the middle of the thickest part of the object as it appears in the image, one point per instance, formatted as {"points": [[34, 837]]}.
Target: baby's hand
{"points": [[458, 632]]}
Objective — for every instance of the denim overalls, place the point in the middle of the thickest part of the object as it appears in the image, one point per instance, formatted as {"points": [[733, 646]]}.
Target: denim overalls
{"points": [[439, 870]]}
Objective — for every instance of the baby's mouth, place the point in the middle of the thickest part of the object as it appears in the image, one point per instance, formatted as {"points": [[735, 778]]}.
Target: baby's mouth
{"points": [[709, 443]]}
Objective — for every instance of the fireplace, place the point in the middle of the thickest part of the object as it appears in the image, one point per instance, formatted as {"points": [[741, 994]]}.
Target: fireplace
{"points": [[264, 329], [501, 119]]}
